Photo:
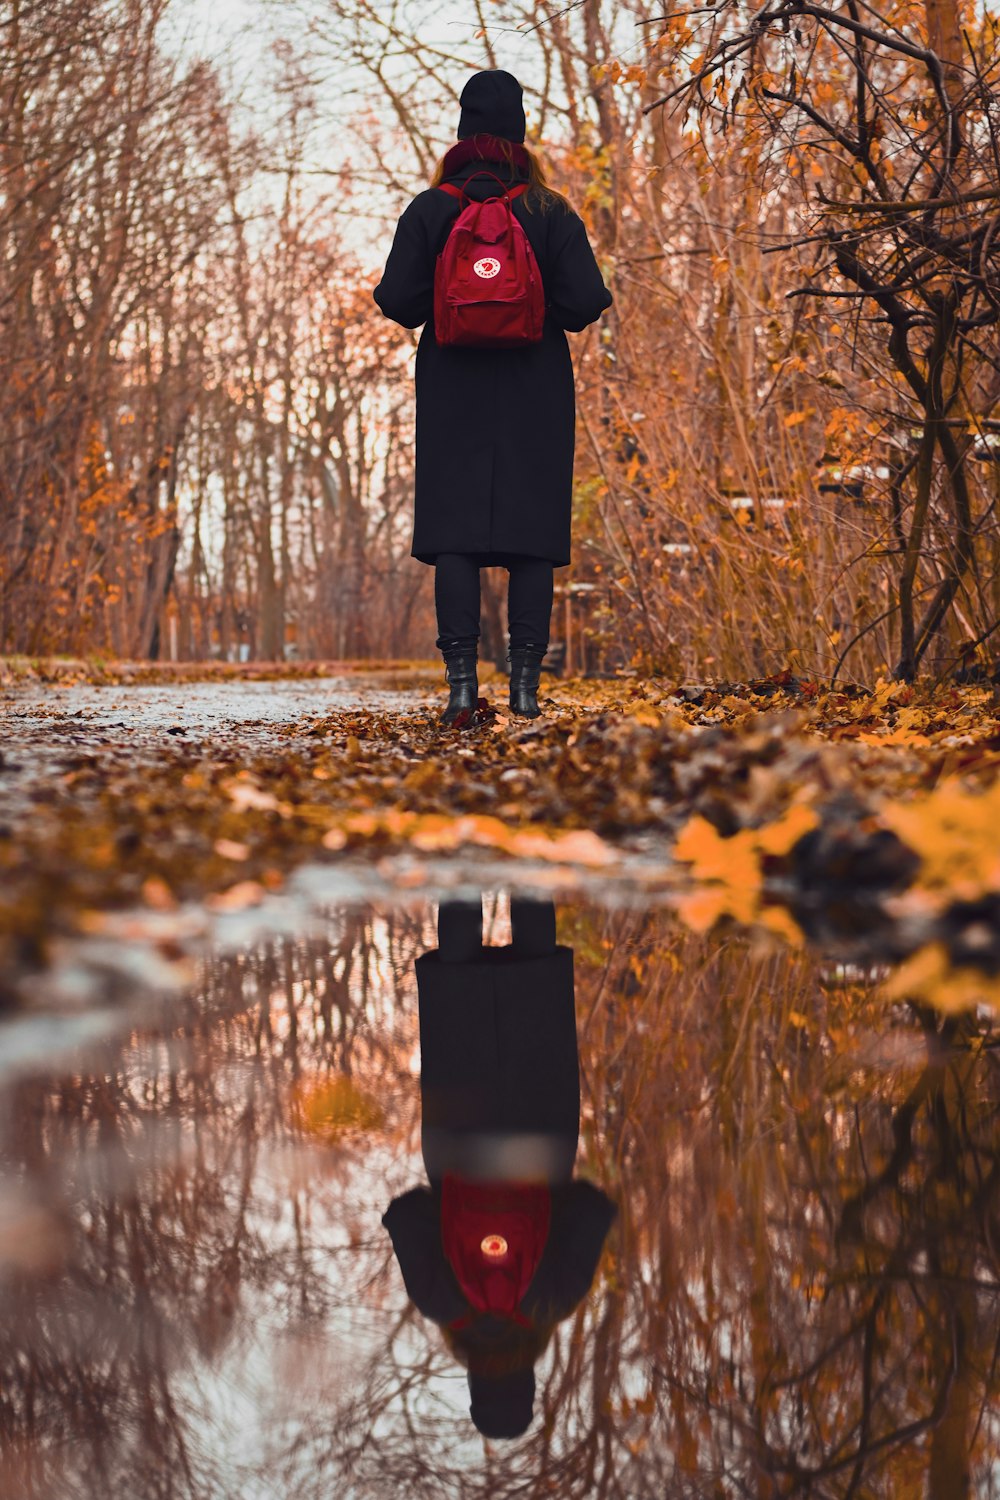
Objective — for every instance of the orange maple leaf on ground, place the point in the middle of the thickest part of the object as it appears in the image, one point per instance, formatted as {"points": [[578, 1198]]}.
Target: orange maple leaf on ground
{"points": [[954, 832], [731, 869]]}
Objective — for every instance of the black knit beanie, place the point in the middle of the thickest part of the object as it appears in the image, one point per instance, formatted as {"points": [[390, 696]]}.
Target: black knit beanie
{"points": [[502, 1405], [491, 105]]}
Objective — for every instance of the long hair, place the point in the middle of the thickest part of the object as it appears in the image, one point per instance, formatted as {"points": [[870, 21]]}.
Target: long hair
{"points": [[500, 1350], [539, 193]]}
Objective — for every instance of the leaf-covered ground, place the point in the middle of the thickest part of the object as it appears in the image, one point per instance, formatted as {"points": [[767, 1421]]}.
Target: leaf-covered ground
{"points": [[864, 820]]}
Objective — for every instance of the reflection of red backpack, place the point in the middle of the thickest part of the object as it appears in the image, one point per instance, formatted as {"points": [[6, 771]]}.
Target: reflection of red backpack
{"points": [[487, 286], [493, 1235]]}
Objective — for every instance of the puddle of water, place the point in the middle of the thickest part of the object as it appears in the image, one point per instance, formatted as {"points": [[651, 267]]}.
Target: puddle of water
{"points": [[687, 1216]]}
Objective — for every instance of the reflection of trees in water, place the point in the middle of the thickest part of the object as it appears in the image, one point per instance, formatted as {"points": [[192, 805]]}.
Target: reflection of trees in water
{"points": [[190, 1204], [799, 1296], [810, 1193]]}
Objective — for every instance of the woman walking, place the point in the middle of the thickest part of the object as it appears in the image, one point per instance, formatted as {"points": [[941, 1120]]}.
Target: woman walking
{"points": [[495, 419]]}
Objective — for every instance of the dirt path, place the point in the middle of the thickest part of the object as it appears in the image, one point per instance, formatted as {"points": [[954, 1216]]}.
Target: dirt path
{"points": [[50, 731], [857, 821]]}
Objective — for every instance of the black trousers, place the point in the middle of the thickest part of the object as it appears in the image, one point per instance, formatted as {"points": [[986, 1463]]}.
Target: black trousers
{"points": [[529, 598], [460, 929]]}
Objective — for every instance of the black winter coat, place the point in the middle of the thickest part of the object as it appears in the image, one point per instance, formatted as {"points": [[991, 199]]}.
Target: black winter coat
{"points": [[495, 427]]}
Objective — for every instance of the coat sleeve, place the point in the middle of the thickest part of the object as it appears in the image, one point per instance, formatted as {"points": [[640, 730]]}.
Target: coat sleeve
{"points": [[406, 292], [574, 287], [414, 1224], [581, 1218]]}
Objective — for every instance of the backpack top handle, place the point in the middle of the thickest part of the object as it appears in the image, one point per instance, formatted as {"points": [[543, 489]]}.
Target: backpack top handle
{"points": [[454, 191]]}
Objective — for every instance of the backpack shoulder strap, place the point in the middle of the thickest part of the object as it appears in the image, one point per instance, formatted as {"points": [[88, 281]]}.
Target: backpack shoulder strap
{"points": [[451, 189]]}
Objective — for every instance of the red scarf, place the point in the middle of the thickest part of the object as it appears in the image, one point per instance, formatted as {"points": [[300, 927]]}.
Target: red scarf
{"points": [[485, 148], [493, 1235]]}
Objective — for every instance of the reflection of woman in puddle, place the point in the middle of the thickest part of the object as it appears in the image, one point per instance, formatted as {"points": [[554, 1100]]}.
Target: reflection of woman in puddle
{"points": [[503, 1244]]}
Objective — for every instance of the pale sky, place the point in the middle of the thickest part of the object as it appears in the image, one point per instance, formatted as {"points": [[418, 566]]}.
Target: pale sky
{"points": [[237, 35], [239, 32], [227, 26]]}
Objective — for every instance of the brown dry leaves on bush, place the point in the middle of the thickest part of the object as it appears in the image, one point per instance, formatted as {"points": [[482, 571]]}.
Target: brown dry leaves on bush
{"points": [[860, 819]]}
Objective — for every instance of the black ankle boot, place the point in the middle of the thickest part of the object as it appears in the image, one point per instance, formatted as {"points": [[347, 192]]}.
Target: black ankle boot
{"points": [[460, 657], [525, 671]]}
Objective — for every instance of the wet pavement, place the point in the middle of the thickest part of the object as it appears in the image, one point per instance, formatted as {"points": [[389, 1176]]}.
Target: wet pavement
{"points": [[44, 728], [697, 1217], [202, 708]]}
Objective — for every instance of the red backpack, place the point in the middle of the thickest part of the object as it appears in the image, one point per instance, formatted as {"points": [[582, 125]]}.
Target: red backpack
{"points": [[487, 286], [493, 1236]]}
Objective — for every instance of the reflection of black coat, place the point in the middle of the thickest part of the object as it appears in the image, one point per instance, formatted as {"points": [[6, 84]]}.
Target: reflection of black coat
{"points": [[498, 1045], [495, 427], [499, 1059]]}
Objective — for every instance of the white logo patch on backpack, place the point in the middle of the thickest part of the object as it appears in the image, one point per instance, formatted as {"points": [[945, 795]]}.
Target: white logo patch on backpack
{"points": [[487, 268]]}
